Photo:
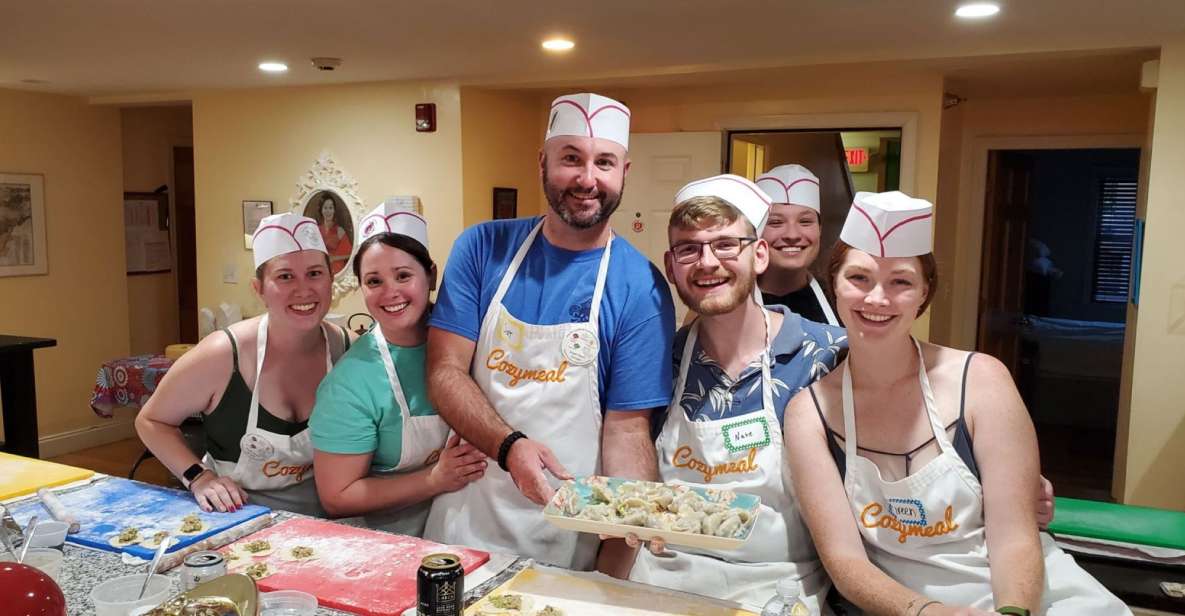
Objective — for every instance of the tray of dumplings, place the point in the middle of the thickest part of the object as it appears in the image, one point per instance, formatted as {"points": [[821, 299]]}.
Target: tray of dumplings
{"points": [[683, 515]]}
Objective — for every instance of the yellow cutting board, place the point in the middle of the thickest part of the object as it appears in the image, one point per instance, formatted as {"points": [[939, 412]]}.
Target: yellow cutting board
{"points": [[20, 475], [586, 596]]}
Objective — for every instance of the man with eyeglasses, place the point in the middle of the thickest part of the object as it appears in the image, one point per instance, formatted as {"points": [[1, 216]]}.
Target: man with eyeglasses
{"points": [[739, 363]]}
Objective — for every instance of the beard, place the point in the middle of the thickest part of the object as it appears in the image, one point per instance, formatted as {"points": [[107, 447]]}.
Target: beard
{"points": [[718, 304], [557, 198]]}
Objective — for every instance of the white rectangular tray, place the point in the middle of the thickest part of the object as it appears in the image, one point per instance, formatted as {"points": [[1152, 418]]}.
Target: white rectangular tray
{"points": [[748, 502]]}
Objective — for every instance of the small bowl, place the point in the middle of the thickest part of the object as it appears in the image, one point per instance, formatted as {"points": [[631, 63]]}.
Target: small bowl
{"points": [[117, 597], [48, 560], [50, 534], [287, 602]]}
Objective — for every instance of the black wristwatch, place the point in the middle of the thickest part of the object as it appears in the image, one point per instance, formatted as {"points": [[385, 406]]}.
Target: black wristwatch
{"points": [[192, 473], [1012, 609]]}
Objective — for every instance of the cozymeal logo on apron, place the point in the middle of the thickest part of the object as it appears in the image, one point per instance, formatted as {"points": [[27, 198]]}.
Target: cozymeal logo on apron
{"points": [[273, 468], [907, 517], [747, 435]]}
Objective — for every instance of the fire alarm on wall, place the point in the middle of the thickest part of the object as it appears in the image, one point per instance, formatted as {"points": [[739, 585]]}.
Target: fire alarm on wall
{"points": [[426, 117]]}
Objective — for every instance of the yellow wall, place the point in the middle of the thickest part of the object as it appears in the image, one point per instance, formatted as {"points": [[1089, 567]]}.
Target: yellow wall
{"points": [[501, 132], [82, 302], [149, 135], [955, 307], [1155, 429], [256, 144]]}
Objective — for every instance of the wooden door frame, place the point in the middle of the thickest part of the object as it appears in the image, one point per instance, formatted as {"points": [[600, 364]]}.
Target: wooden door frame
{"points": [[181, 142]]}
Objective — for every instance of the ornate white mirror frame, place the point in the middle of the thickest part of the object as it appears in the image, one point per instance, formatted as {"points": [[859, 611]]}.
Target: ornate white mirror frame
{"points": [[326, 182]]}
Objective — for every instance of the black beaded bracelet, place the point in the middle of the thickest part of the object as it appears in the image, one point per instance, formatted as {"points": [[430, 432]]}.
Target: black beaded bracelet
{"points": [[504, 449]]}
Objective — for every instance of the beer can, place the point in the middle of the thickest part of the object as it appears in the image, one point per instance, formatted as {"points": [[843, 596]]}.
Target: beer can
{"points": [[440, 586], [201, 567]]}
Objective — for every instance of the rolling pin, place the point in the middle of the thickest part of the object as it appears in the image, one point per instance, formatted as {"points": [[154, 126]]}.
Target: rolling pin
{"points": [[57, 509]]}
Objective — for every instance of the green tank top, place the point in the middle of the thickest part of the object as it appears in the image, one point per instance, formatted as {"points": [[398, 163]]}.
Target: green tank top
{"points": [[227, 423]]}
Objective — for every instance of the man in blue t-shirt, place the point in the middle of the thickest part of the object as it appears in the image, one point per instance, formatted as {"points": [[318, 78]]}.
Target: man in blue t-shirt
{"points": [[549, 346]]}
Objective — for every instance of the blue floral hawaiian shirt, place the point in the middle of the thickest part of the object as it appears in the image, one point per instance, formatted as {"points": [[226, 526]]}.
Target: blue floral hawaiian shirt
{"points": [[803, 352]]}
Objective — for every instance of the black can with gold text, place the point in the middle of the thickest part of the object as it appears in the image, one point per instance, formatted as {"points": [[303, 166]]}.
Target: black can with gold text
{"points": [[440, 586]]}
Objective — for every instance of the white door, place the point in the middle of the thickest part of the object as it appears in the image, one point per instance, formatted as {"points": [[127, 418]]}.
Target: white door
{"points": [[660, 164]]}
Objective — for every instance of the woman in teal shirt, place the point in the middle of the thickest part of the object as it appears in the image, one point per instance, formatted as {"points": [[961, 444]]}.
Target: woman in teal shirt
{"points": [[380, 448]]}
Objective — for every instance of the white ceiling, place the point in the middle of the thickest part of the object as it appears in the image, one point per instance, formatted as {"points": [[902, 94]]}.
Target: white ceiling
{"points": [[123, 47]]}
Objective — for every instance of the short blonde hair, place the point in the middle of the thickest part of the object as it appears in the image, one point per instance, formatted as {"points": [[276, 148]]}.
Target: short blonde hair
{"points": [[707, 212]]}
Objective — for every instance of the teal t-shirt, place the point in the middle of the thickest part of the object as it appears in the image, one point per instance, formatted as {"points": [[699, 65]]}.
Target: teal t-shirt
{"points": [[355, 410]]}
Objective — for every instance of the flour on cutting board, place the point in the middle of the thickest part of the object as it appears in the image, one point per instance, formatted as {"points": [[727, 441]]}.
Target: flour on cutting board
{"points": [[344, 556]]}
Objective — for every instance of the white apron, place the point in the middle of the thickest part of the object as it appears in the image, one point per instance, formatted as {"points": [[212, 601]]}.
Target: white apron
{"points": [[542, 380], [779, 545], [823, 303], [279, 466], [927, 530], [423, 438]]}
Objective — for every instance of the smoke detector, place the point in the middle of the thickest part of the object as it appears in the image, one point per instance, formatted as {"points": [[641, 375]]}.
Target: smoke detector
{"points": [[326, 64]]}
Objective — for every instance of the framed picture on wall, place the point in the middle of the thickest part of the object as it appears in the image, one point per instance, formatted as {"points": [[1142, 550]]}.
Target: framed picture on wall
{"points": [[253, 213], [23, 251], [505, 203]]}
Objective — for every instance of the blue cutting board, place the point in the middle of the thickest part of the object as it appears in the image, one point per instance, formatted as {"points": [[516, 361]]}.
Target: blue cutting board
{"points": [[109, 505]]}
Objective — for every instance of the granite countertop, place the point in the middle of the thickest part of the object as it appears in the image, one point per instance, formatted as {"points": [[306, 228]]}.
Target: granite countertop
{"points": [[84, 568]]}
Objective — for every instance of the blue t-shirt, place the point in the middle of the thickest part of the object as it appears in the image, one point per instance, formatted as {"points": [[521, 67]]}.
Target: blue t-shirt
{"points": [[555, 286], [803, 352]]}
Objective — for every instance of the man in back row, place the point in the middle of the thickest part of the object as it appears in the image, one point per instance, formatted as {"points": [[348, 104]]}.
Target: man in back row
{"points": [[548, 347]]}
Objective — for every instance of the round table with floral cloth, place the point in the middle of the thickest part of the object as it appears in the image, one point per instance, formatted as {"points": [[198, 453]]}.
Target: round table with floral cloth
{"points": [[127, 381]]}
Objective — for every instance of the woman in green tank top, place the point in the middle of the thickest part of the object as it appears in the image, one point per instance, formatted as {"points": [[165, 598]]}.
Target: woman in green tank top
{"points": [[381, 450], [256, 411]]}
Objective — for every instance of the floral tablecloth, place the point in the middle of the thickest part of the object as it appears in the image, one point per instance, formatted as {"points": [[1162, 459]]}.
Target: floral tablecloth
{"points": [[127, 381]]}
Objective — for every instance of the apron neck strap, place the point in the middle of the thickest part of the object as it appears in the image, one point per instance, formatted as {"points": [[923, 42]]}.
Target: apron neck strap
{"points": [[821, 297], [260, 353], [931, 407], [521, 254], [849, 408], [392, 376]]}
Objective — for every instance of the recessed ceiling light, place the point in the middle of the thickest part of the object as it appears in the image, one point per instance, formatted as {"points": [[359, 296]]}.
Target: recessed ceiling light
{"points": [[558, 44], [977, 10], [273, 67]]}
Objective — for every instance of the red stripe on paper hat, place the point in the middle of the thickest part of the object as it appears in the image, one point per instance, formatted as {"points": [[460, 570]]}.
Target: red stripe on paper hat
{"points": [[589, 115], [890, 224], [280, 234]]}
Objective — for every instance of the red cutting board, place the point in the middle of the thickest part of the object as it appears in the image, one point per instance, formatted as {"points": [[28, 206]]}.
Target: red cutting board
{"points": [[356, 570]]}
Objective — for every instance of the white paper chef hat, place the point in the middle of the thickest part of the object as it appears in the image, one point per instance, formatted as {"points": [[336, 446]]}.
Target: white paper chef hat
{"points": [[889, 224], [793, 184], [280, 234], [395, 215], [738, 191], [589, 115]]}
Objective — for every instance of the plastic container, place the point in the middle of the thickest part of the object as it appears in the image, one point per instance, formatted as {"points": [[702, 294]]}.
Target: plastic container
{"points": [[117, 597], [48, 560], [50, 534], [287, 603]]}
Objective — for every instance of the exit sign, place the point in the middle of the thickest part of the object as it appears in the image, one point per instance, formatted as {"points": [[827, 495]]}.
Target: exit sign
{"points": [[857, 159]]}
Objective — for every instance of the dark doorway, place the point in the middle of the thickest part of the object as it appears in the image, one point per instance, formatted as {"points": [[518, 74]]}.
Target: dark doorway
{"points": [[186, 244], [1053, 295]]}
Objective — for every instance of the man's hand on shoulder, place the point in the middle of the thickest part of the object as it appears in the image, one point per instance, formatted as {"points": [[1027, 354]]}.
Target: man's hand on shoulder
{"points": [[526, 462]]}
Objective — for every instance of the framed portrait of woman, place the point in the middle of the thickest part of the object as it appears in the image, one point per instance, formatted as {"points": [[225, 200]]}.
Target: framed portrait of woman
{"points": [[336, 225]]}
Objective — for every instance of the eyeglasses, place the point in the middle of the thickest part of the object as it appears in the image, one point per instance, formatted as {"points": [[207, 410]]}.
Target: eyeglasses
{"points": [[725, 248]]}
